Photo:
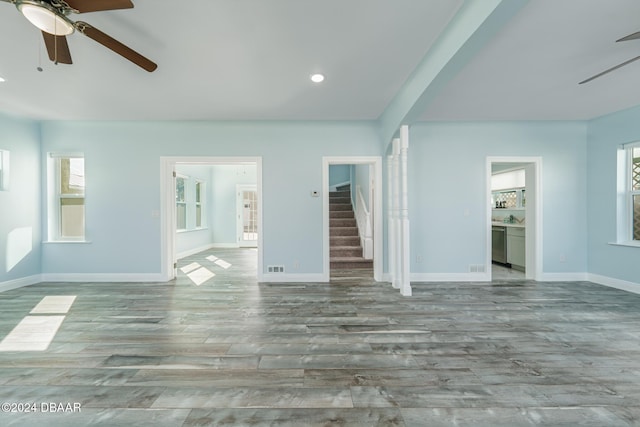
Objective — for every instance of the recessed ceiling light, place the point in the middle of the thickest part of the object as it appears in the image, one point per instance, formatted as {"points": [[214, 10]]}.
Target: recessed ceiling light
{"points": [[1, 80], [317, 78]]}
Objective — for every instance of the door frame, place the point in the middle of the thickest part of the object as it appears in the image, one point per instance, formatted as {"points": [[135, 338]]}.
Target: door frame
{"points": [[240, 211], [375, 163], [167, 211], [533, 231]]}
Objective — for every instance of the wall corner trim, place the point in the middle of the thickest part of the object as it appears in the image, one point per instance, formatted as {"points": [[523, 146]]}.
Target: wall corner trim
{"points": [[289, 278], [611, 282], [450, 277], [103, 277], [20, 283]]}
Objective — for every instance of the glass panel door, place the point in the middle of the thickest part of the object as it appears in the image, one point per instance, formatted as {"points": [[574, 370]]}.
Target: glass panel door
{"points": [[247, 215]]}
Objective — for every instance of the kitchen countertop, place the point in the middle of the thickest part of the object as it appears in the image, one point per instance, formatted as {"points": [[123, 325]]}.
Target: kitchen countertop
{"points": [[507, 224]]}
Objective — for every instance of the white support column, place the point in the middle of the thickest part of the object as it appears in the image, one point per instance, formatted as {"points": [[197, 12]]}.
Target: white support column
{"points": [[397, 239], [405, 249], [391, 238]]}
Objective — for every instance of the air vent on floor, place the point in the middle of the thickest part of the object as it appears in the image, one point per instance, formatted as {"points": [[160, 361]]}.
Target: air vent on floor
{"points": [[476, 268], [275, 268]]}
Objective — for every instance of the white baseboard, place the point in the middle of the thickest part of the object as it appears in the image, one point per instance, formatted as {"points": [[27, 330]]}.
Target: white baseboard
{"points": [[449, 277], [194, 251], [564, 277], [611, 282], [288, 278], [102, 277], [21, 282], [225, 245]]}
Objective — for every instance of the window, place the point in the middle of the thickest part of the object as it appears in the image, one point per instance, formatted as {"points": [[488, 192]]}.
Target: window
{"points": [[635, 192], [67, 198], [199, 202], [4, 170], [629, 194], [181, 203]]}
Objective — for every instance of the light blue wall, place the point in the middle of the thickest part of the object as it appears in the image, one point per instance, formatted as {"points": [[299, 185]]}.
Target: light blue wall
{"points": [[447, 177], [605, 135], [224, 201], [339, 174], [20, 226], [123, 185]]}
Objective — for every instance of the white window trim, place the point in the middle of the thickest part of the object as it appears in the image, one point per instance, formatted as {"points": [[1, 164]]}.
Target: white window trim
{"points": [[624, 195], [54, 221], [201, 203], [4, 170], [185, 203]]}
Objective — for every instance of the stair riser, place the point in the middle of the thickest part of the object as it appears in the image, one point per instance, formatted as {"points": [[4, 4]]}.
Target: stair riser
{"points": [[340, 214], [345, 252], [350, 265], [343, 231], [340, 207], [342, 222], [344, 200], [344, 241]]}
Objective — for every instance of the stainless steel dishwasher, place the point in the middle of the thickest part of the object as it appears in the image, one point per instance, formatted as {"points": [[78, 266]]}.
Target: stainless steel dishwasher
{"points": [[499, 244]]}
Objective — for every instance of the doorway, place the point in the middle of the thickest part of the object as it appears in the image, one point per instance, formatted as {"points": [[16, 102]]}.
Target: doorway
{"points": [[370, 193], [216, 224], [514, 218]]}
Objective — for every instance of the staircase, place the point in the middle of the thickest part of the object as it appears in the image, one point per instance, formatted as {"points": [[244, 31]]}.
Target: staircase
{"points": [[345, 250]]}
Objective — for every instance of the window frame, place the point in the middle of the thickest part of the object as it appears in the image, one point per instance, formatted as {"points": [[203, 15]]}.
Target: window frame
{"points": [[632, 192], [4, 170], [625, 195], [199, 203], [183, 202], [56, 196]]}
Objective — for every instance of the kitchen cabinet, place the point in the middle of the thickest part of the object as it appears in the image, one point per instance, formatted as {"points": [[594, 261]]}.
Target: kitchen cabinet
{"points": [[516, 254]]}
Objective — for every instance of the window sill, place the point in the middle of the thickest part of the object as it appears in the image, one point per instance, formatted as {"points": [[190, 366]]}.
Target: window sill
{"points": [[191, 230], [631, 244], [47, 242]]}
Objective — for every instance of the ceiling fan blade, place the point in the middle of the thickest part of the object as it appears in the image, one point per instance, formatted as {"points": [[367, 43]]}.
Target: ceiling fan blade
{"points": [[633, 36], [610, 70], [57, 48], [116, 46], [83, 6]]}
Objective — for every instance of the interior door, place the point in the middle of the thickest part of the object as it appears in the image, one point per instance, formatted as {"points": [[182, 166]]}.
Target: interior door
{"points": [[247, 215]]}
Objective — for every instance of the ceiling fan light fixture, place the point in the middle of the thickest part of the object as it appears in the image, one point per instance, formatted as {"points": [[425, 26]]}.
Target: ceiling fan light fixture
{"points": [[45, 18]]}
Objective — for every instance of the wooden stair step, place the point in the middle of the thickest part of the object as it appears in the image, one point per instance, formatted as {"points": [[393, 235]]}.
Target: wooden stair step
{"points": [[343, 231]]}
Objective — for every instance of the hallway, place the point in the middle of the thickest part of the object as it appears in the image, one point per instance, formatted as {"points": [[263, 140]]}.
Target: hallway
{"points": [[232, 351]]}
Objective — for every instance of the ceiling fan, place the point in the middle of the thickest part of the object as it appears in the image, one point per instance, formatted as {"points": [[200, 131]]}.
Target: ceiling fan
{"points": [[52, 18], [634, 36]]}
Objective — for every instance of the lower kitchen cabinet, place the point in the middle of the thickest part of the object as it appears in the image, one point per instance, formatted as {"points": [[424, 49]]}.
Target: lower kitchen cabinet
{"points": [[516, 255]]}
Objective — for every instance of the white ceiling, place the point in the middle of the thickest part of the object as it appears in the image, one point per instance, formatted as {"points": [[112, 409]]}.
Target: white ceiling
{"points": [[251, 60], [225, 60], [531, 69]]}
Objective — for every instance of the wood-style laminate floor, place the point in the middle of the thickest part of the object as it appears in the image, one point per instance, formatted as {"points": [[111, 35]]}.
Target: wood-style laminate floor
{"points": [[230, 351]]}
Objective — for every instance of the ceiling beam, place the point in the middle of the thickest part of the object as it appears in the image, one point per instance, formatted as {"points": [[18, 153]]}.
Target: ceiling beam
{"points": [[475, 23]]}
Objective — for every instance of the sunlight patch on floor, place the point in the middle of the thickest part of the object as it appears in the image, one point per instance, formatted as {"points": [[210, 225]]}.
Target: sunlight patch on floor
{"points": [[59, 304], [190, 267], [201, 275], [33, 333], [223, 264]]}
